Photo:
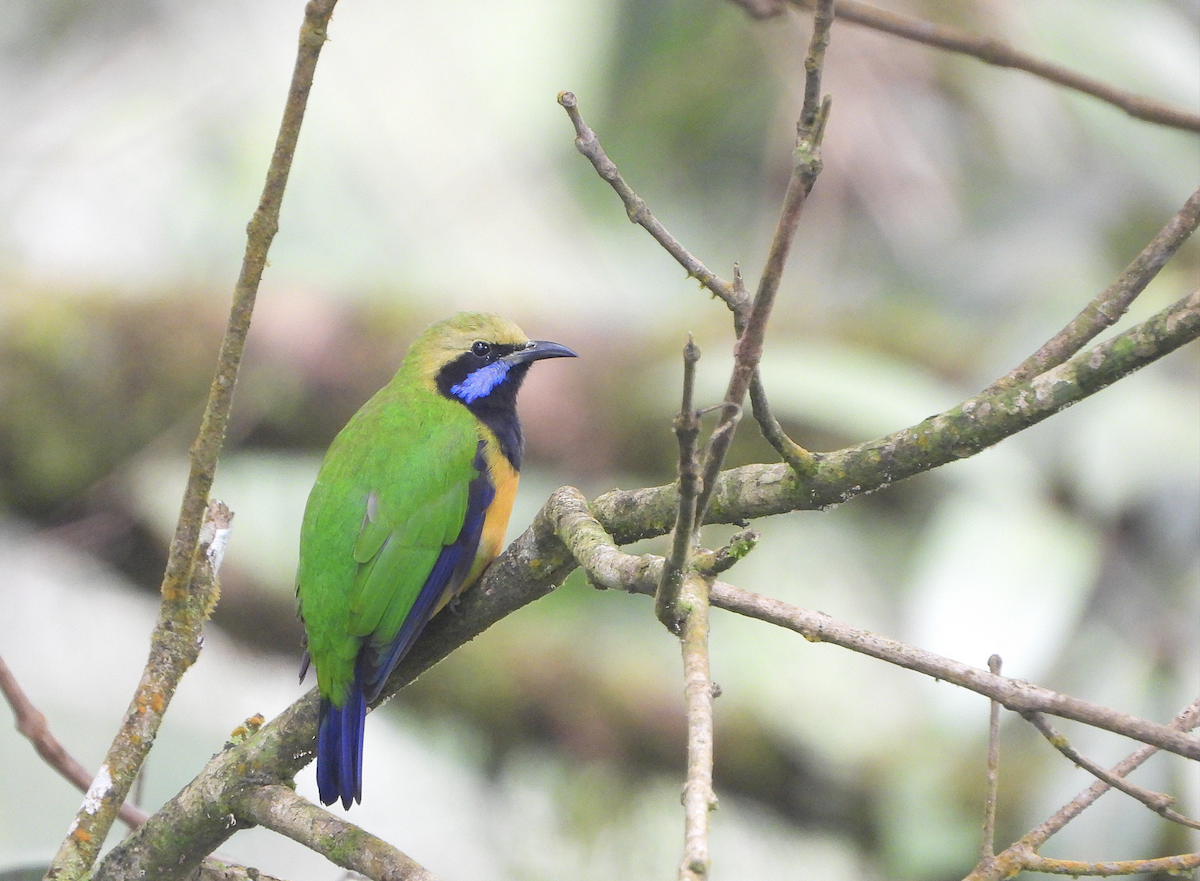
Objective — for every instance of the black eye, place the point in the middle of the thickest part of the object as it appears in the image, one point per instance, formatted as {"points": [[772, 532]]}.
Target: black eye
{"points": [[480, 349]]}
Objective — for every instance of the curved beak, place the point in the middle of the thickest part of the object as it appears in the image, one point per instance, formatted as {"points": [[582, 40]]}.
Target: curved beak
{"points": [[536, 350]]}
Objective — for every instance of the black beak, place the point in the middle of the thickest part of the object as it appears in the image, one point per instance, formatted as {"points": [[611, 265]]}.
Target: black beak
{"points": [[536, 350]]}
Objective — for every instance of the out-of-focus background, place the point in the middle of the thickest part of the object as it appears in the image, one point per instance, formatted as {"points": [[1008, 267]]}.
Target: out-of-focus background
{"points": [[965, 214]]}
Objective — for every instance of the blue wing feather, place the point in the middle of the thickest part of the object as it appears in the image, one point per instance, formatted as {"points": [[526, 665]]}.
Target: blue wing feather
{"points": [[340, 737]]}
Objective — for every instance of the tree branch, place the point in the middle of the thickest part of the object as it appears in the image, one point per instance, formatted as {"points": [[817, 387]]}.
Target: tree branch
{"points": [[752, 491], [1113, 301], [280, 809], [987, 847], [667, 606], [993, 51], [187, 595], [698, 797], [174, 647], [1016, 856], [1158, 802], [31, 723], [588, 144]]}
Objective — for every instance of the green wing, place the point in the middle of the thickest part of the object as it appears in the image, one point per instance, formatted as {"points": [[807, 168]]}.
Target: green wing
{"points": [[391, 493]]}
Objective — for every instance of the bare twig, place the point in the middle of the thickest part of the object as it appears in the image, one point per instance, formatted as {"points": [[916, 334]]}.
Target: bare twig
{"points": [[1001, 54], [1024, 852], [185, 601], [33, 726], [698, 797], [1158, 802], [987, 847], [281, 810], [1113, 301], [687, 429], [588, 144], [806, 165]]}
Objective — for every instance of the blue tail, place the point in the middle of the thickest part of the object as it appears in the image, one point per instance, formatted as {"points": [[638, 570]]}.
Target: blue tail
{"points": [[340, 748]]}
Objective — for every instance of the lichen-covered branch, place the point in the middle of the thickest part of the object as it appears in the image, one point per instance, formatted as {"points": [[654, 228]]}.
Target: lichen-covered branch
{"points": [[1111, 303], [752, 491], [187, 596], [174, 647], [993, 51], [281, 810]]}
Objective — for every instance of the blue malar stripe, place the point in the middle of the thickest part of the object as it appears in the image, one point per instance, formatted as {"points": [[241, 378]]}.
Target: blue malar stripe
{"points": [[480, 383]]}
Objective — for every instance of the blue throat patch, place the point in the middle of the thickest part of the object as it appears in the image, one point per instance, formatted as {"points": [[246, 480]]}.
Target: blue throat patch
{"points": [[481, 382]]}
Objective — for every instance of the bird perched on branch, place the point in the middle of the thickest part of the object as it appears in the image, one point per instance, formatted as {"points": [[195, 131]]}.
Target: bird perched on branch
{"points": [[410, 505]]}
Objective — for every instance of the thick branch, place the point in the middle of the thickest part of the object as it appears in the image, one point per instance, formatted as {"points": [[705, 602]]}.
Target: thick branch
{"points": [[281, 810], [752, 491], [992, 51]]}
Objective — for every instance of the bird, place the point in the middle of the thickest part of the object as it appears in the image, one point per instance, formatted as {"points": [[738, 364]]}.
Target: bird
{"points": [[410, 505]]}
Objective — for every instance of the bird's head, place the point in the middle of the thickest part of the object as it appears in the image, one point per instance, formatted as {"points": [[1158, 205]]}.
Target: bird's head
{"points": [[478, 358]]}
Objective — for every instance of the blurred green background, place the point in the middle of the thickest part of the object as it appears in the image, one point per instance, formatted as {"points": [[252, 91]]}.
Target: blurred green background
{"points": [[964, 215]]}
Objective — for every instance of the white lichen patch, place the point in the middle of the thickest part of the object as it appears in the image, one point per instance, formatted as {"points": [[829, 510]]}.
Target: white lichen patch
{"points": [[98, 790]]}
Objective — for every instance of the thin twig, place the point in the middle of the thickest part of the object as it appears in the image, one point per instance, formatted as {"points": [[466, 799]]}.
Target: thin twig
{"points": [[987, 847], [32, 724], [993, 51], [1158, 802], [806, 165], [281, 810], [588, 144], [1022, 852], [180, 618], [698, 797], [687, 429], [1113, 301]]}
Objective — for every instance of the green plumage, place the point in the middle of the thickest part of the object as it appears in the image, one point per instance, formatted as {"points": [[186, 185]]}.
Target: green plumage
{"points": [[400, 468], [410, 505]]}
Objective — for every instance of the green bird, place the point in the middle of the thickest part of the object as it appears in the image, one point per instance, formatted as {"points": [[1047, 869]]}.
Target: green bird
{"points": [[410, 505]]}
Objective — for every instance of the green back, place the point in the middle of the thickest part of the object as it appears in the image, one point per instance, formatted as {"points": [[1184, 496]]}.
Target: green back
{"points": [[400, 468]]}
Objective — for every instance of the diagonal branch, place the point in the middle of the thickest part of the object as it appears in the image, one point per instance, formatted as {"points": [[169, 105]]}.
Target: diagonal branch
{"points": [[588, 144], [806, 165], [751, 491], [1024, 852], [993, 51], [1111, 303], [31, 723], [185, 590], [1155, 801]]}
